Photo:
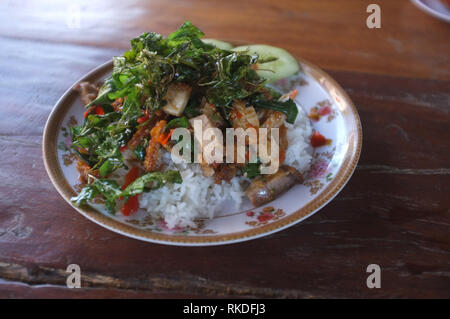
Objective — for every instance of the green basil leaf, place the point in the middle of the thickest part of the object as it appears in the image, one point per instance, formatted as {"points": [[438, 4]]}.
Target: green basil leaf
{"points": [[177, 122], [110, 165], [87, 193], [111, 190], [288, 107], [251, 170], [158, 180], [139, 151]]}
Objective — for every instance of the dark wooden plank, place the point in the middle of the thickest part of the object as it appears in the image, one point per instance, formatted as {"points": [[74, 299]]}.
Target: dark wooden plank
{"points": [[16, 290]]}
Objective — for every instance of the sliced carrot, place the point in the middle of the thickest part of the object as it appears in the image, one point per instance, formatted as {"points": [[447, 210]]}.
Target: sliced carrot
{"points": [[130, 206], [99, 110], [96, 109], [157, 129], [157, 133], [164, 137]]}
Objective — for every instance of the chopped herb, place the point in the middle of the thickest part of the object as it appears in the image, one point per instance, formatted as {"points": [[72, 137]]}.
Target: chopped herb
{"points": [[139, 151], [111, 191], [287, 107], [251, 170]]}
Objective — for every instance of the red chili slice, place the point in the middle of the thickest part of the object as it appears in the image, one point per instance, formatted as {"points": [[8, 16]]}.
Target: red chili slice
{"points": [[130, 206], [132, 203], [142, 119], [97, 109]]}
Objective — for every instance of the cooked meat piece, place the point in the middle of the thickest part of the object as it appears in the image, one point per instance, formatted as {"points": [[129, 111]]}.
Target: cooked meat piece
{"points": [[262, 114], [151, 160], [117, 104], [224, 172], [151, 156], [274, 119], [283, 143], [85, 170], [213, 114], [206, 124], [242, 116], [138, 136], [266, 188], [88, 91], [145, 130], [207, 169], [177, 97]]}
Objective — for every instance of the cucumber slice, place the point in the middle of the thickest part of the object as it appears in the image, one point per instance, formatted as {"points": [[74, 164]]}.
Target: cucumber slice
{"points": [[219, 44], [285, 65]]}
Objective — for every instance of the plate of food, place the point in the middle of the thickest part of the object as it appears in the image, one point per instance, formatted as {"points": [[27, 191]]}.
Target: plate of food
{"points": [[437, 8], [191, 141]]}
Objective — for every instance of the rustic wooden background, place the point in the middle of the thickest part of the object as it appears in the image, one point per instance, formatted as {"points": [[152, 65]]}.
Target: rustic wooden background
{"points": [[394, 211]]}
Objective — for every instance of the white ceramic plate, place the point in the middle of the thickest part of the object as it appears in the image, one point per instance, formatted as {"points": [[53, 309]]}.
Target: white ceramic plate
{"points": [[331, 168]]}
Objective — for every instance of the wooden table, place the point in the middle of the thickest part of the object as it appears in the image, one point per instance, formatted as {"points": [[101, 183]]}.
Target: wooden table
{"points": [[394, 211]]}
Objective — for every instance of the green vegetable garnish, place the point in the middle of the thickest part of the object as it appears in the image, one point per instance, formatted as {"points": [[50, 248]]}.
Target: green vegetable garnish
{"points": [[287, 107], [112, 191], [139, 151], [177, 122]]}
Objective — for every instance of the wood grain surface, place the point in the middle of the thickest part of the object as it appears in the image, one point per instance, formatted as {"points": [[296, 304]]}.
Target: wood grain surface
{"points": [[393, 212]]}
